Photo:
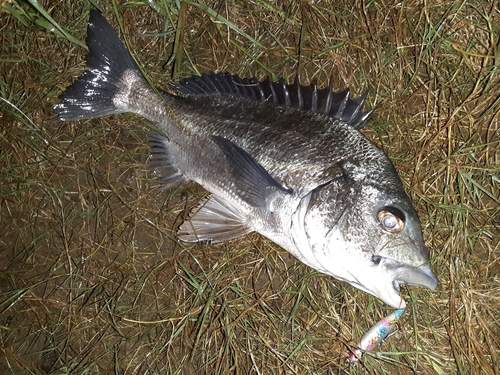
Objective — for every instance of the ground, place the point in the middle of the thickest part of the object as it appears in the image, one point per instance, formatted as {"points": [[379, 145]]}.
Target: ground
{"points": [[92, 279]]}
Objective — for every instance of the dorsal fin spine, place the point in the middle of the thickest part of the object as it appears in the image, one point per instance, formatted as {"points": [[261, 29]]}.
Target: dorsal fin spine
{"points": [[273, 93], [300, 98], [217, 85], [328, 102], [222, 86], [242, 88], [314, 102], [342, 106], [288, 102], [226, 86], [261, 90], [361, 102]]}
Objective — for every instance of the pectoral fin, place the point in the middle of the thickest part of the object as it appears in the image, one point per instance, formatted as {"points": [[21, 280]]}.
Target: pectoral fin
{"points": [[249, 181], [243, 179], [213, 220]]}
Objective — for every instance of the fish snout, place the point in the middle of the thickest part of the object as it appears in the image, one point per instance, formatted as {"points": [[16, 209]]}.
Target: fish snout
{"points": [[417, 276], [393, 273]]}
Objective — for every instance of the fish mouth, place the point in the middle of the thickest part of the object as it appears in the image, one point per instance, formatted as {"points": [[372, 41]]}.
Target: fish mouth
{"points": [[416, 276], [401, 273], [391, 274]]}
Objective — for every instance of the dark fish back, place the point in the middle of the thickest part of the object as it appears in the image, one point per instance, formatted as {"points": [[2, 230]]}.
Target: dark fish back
{"points": [[336, 104]]}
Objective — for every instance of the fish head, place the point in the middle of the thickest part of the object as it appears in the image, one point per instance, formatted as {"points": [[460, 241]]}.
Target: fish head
{"points": [[366, 233]]}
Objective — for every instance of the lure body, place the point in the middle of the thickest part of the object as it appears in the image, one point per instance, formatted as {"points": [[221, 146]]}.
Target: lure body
{"points": [[376, 335]]}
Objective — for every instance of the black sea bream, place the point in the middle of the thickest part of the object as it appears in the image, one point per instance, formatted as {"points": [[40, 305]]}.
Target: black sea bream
{"points": [[286, 161]]}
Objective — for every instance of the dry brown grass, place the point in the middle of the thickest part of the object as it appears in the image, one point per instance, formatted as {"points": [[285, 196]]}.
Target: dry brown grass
{"points": [[92, 280]]}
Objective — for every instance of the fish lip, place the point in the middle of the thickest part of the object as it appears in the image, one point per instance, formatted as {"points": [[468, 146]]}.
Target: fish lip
{"points": [[403, 273], [390, 274], [415, 276]]}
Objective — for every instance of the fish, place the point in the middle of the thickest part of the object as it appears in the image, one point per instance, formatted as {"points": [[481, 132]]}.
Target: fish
{"points": [[284, 160]]}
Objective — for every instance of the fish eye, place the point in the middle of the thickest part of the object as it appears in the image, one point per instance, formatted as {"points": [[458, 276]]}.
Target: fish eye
{"points": [[391, 219]]}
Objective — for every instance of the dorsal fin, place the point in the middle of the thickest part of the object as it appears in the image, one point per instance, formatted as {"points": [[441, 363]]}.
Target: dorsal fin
{"points": [[336, 104]]}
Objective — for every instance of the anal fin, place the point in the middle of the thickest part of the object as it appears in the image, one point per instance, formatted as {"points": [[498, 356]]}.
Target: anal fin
{"points": [[213, 220], [163, 163]]}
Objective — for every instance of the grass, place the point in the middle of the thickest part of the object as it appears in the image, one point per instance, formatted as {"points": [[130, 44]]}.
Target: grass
{"points": [[92, 280]]}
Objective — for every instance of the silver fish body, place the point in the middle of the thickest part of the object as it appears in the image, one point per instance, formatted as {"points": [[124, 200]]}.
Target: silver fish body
{"points": [[296, 171]]}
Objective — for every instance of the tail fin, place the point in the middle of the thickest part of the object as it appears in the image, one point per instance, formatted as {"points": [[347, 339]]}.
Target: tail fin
{"points": [[98, 91]]}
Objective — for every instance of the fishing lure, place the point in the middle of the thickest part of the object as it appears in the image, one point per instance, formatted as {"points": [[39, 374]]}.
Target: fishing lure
{"points": [[376, 335]]}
